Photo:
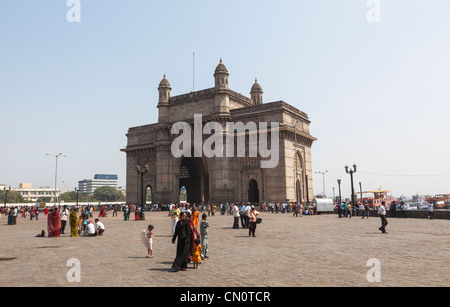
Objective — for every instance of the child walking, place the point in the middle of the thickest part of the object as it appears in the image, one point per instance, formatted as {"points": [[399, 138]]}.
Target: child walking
{"points": [[196, 253], [150, 241], [204, 225], [147, 240]]}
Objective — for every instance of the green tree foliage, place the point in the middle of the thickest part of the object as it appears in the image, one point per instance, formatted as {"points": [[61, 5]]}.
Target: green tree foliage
{"points": [[71, 197], [107, 194], [13, 197]]}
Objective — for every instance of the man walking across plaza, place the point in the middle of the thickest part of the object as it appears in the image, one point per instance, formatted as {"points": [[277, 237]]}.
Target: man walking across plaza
{"points": [[366, 211], [235, 212], [243, 215], [430, 211], [64, 216], [382, 214]]}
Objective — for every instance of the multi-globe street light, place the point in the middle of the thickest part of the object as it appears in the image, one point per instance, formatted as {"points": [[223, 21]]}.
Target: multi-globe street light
{"points": [[323, 174], [6, 193], [351, 172], [141, 174], [339, 181], [56, 171], [76, 190]]}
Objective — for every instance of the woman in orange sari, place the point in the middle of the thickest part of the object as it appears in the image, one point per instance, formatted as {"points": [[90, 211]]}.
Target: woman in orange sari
{"points": [[193, 235], [195, 218]]}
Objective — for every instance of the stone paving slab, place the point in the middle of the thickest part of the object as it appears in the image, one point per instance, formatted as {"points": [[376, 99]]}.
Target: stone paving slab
{"points": [[318, 251]]}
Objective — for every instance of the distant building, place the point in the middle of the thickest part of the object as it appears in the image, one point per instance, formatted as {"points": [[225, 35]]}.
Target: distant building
{"points": [[31, 194], [100, 180]]}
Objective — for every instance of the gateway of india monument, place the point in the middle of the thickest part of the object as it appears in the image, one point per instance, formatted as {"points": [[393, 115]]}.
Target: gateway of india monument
{"points": [[219, 179]]}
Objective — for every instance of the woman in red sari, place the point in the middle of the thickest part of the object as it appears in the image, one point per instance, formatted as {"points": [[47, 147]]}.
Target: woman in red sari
{"points": [[54, 223], [102, 212]]}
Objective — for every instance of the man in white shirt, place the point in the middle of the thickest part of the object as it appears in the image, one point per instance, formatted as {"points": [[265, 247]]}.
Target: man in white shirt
{"points": [[99, 228], [382, 214], [14, 213], [90, 230], [236, 215], [430, 211], [248, 209], [64, 215]]}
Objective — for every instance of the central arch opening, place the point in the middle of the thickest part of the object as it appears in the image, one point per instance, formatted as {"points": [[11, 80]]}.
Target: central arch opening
{"points": [[195, 179], [148, 195]]}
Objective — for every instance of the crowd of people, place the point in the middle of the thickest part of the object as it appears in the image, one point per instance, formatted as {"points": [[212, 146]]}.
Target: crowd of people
{"points": [[79, 219], [187, 228]]}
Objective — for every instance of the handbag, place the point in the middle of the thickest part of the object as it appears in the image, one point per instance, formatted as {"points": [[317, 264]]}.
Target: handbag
{"points": [[258, 220]]}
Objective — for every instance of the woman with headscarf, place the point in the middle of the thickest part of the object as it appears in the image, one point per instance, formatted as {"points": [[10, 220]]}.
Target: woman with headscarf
{"points": [[73, 221], [193, 235], [54, 223], [195, 217], [182, 232]]}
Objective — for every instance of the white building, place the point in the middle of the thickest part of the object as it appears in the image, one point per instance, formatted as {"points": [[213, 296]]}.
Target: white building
{"points": [[100, 180], [31, 194]]}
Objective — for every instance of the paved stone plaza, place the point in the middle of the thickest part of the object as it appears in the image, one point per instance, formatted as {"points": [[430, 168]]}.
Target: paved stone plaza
{"points": [[288, 251]]}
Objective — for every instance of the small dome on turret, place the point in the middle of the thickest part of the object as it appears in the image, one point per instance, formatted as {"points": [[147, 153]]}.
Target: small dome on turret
{"points": [[221, 69], [164, 82], [256, 87]]}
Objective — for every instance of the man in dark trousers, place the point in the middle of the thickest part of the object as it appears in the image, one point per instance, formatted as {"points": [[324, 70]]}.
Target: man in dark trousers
{"points": [[382, 214]]}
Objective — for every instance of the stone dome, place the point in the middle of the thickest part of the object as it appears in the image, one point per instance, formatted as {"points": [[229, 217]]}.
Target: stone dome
{"points": [[256, 87], [164, 82], [221, 69]]}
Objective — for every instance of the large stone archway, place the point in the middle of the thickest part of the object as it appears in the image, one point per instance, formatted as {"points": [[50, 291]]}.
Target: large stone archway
{"points": [[195, 178]]}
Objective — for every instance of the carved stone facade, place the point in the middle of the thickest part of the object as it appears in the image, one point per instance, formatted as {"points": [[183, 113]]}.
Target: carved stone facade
{"points": [[220, 179]]}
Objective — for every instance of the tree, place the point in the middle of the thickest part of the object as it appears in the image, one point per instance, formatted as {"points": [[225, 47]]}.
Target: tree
{"points": [[107, 194], [69, 197], [13, 197]]}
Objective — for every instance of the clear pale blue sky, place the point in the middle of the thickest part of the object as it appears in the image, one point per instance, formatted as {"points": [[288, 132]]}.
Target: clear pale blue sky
{"points": [[378, 94]]}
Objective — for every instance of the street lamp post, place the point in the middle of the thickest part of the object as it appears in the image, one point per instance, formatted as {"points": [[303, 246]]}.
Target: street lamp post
{"points": [[141, 174], [339, 183], [360, 190], [77, 195], [56, 172], [6, 194], [351, 172], [323, 174]]}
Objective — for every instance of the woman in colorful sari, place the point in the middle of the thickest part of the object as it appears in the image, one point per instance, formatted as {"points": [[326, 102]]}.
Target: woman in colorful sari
{"points": [[73, 221], [195, 218], [192, 236], [54, 223], [102, 212]]}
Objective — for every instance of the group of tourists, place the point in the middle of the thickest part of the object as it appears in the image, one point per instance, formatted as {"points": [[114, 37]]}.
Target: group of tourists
{"points": [[128, 211], [25, 211], [190, 234], [80, 225], [297, 209], [247, 215]]}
